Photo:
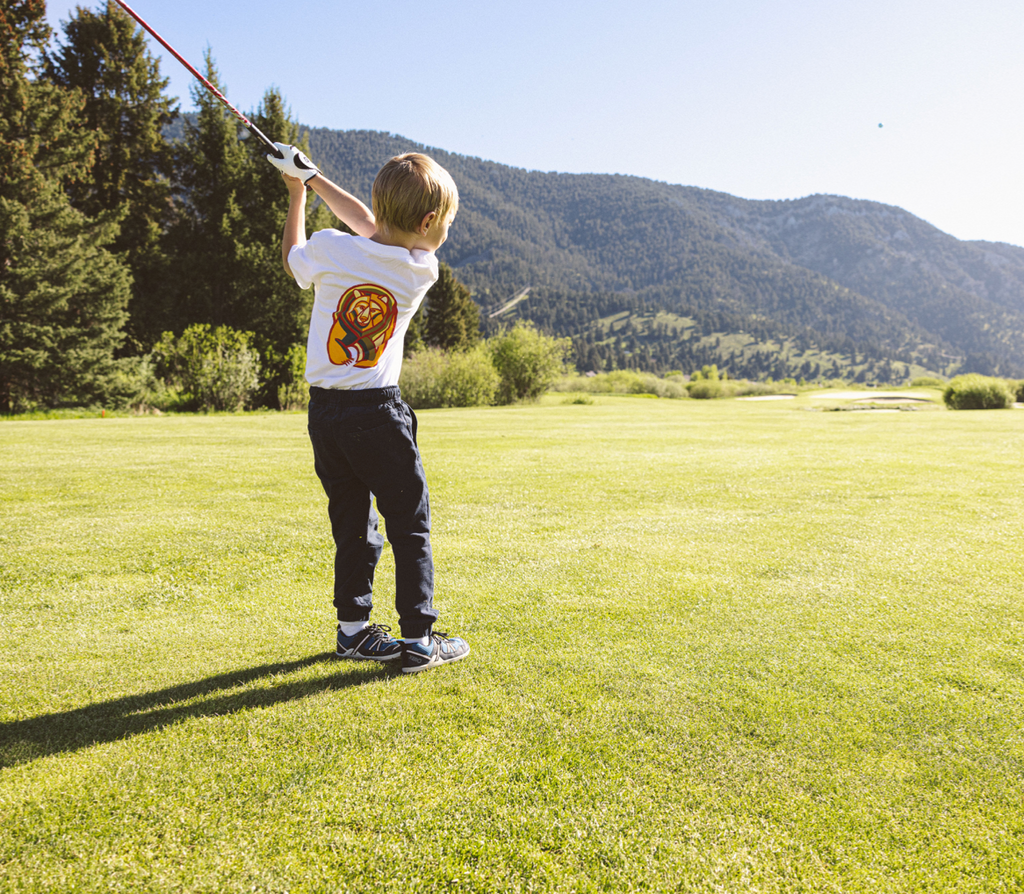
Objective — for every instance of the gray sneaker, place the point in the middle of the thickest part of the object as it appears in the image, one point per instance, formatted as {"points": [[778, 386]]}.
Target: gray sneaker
{"points": [[441, 649]]}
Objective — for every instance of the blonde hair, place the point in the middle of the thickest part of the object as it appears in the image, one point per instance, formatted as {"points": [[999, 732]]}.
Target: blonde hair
{"points": [[408, 188]]}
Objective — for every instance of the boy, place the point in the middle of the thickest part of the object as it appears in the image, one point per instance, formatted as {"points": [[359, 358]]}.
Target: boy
{"points": [[368, 287]]}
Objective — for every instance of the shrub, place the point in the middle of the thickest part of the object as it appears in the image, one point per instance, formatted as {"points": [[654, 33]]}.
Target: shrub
{"points": [[527, 361], [976, 392], [706, 389], [1018, 391], [436, 378], [926, 382], [471, 379], [746, 388], [215, 369], [293, 392], [420, 380], [705, 385], [672, 388], [138, 387], [623, 381]]}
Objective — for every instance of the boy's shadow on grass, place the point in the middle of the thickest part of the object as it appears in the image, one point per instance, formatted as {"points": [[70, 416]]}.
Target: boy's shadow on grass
{"points": [[25, 740]]}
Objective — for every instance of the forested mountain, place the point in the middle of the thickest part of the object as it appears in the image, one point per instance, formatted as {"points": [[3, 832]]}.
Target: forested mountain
{"points": [[658, 276]]}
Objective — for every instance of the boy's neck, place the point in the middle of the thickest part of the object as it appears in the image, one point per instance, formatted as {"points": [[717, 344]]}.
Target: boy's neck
{"points": [[400, 238], [428, 236]]}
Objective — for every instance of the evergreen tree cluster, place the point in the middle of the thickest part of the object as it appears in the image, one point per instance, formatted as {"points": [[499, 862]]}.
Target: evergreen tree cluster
{"points": [[111, 234], [130, 233], [63, 293]]}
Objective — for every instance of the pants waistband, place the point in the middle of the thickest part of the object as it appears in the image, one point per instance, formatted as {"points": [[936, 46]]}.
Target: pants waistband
{"points": [[354, 397]]}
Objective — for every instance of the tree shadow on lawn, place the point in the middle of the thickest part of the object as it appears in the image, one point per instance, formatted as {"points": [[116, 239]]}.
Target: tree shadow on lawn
{"points": [[26, 740]]}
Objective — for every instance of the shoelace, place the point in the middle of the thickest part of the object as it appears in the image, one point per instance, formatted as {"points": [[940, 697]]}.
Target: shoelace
{"points": [[374, 633], [377, 632]]}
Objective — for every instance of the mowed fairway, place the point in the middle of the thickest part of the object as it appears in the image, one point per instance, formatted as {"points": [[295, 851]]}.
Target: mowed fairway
{"points": [[716, 647]]}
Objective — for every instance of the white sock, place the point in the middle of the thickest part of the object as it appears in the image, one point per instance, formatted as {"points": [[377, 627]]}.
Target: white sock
{"points": [[422, 640], [351, 628]]}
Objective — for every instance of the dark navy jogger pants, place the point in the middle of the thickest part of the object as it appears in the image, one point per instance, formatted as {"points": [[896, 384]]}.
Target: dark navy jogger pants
{"points": [[364, 446]]}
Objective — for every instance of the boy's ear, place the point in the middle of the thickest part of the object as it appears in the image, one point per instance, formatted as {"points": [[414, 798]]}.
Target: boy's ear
{"points": [[428, 219]]}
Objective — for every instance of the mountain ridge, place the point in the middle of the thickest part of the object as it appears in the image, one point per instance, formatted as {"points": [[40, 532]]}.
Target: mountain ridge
{"points": [[847, 277]]}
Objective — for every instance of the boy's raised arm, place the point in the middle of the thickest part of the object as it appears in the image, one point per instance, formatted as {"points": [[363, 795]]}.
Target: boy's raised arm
{"points": [[293, 165], [345, 206], [295, 223]]}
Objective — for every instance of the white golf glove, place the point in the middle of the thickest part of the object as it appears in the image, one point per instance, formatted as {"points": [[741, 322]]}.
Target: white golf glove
{"points": [[294, 163]]}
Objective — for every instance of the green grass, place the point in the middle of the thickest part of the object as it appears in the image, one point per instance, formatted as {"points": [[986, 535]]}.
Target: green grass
{"points": [[716, 647]]}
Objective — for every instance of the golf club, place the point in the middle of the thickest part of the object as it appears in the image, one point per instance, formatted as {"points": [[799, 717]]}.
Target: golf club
{"points": [[252, 128]]}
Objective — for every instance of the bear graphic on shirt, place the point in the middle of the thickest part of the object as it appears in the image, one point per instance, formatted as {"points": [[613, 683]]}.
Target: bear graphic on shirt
{"points": [[363, 325]]}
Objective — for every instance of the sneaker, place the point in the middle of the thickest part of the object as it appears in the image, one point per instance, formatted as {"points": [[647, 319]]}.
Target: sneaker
{"points": [[441, 649], [373, 643]]}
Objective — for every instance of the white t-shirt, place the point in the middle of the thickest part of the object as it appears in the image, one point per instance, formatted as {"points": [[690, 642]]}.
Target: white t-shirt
{"points": [[366, 296]]}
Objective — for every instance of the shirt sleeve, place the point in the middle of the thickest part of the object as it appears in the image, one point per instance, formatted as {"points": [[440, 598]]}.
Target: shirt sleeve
{"points": [[302, 262], [312, 259]]}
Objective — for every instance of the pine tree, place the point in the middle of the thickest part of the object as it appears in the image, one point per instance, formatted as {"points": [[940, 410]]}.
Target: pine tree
{"points": [[105, 56], [208, 164], [414, 335], [62, 294], [452, 318], [226, 244], [271, 304]]}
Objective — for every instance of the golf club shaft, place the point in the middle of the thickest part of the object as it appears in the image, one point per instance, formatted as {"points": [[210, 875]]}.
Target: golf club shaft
{"points": [[252, 128]]}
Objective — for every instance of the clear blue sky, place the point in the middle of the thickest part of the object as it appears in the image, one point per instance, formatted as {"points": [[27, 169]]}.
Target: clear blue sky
{"points": [[771, 99]]}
